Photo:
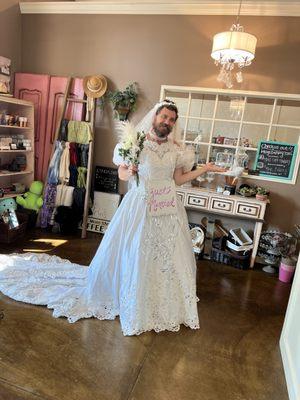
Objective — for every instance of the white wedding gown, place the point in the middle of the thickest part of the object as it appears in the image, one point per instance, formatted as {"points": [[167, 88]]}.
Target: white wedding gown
{"points": [[144, 270]]}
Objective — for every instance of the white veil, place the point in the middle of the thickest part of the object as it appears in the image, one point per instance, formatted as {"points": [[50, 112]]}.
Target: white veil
{"points": [[145, 124]]}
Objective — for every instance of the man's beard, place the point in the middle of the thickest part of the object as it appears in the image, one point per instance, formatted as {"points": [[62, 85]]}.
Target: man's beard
{"points": [[161, 130]]}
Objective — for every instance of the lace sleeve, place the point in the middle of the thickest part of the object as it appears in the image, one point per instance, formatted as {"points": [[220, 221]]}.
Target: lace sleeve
{"points": [[185, 159], [117, 159]]}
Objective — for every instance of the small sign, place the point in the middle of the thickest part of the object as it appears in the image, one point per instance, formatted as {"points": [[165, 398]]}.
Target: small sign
{"points": [[162, 198], [104, 207], [97, 225], [276, 159], [106, 179]]}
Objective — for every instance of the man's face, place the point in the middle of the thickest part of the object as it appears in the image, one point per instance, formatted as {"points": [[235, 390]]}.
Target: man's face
{"points": [[163, 122]]}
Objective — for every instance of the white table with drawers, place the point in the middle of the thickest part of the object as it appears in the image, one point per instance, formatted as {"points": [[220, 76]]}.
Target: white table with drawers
{"points": [[232, 206]]}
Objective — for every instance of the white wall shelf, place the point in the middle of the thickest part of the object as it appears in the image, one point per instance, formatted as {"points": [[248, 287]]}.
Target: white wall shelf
{"points": [[16, 173], [23, 128], [22, 108], [16, 151]]}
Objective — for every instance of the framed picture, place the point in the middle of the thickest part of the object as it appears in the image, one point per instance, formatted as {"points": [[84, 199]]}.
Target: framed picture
{"points": [[228, 141], [104, 207]]}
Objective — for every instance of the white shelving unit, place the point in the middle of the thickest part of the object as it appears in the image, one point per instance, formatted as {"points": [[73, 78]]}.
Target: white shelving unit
{"points": [[239, 116], [12, 106]]}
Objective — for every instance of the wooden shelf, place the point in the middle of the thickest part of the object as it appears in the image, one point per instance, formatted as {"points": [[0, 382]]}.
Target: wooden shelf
{"points": [[228, 146], [16, 173], [7, 196], [26, 109], [16, 151], [27, 128]]}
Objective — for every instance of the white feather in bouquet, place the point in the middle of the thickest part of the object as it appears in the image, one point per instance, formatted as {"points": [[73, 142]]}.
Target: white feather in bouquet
{"points": [[131, 143]]}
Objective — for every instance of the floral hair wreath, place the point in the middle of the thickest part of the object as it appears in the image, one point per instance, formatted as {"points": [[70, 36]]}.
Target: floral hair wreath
{"points": [[165, 102]]}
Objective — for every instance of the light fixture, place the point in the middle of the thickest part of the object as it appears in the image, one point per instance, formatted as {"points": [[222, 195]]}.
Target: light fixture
{"points": [[236, 106], [233, 47]]}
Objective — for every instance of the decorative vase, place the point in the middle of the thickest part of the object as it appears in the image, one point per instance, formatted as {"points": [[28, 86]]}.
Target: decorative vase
{"points": [[122, 112], [287, 269], [261, 197]]}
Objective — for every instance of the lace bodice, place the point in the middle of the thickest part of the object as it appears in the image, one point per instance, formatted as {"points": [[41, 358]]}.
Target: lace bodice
{"points": [[158, 161]]}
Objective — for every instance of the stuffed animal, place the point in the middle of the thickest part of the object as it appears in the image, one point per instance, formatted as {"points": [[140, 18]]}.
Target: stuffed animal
{"points": [[7, 204], [32, 200]]}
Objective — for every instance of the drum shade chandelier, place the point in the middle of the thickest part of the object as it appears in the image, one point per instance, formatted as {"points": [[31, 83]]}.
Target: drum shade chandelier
{"points": [[233, 47]]}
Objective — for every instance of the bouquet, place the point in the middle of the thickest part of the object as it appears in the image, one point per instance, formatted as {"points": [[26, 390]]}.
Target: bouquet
{"points": [[132, 143]]}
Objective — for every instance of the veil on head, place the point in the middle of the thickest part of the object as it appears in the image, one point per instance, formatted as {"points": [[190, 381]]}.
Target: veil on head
{"points": [[145, 124]]}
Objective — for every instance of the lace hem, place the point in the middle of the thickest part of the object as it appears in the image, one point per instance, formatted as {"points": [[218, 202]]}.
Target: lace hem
{"points": [[110, 313], [171, 327]]}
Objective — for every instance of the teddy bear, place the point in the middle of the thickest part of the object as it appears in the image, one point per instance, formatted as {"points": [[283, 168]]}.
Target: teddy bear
{"points": [[32, 200], [7, 204]]}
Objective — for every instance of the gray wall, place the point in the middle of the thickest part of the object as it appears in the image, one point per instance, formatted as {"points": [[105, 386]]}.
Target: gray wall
{"points": [[10, 32], [156, 50]]}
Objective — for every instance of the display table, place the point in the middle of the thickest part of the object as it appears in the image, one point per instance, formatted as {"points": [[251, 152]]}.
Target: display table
{"points": [[232, 206]]}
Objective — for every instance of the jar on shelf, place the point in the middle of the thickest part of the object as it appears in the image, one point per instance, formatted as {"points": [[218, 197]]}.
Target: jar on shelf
{"points": [[224, 159], [241, 159]]}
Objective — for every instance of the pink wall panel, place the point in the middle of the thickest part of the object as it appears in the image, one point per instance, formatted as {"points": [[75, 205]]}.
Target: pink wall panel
{"points": [[47, 95], [74, 111], [35, 88]]}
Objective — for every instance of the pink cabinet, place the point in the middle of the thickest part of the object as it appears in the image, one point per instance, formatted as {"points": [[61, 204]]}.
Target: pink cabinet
{"points": [[46, 93]]}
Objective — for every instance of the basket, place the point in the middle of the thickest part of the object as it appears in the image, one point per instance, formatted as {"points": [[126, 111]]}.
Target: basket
{"points": [[227, 257], [11, 235]]}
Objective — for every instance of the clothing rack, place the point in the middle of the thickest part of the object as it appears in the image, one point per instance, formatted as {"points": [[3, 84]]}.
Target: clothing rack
{"points": [[90, 117]]}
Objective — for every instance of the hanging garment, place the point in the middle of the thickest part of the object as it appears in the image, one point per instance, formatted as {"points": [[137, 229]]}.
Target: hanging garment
{"points": [[48, 205], [63, 131], [83, 155], [144, 269], [64, 172], [74, 157], [81, 180], [73, 175], [79, 132], [64, 196], [54, 164]]}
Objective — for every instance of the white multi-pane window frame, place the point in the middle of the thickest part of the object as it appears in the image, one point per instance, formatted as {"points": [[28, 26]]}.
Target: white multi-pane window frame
{"points": [[277, 104]]}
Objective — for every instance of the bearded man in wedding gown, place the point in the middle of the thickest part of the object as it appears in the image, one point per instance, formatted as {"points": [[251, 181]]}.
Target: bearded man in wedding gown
{"points": [[144, 270]]}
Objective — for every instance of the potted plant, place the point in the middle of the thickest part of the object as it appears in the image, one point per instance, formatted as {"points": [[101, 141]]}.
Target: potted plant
{"points": [[124, 102], [261, 193]]}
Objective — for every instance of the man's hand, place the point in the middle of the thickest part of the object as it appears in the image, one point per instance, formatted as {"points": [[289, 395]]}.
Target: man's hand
{"points": [[125, 171], [132, 170]]}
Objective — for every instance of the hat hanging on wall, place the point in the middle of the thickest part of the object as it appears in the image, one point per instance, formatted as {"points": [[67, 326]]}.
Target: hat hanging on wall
{"points": [[94, 86]]}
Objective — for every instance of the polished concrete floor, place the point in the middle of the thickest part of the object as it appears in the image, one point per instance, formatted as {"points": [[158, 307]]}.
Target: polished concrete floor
{"points": [[234, 356]]}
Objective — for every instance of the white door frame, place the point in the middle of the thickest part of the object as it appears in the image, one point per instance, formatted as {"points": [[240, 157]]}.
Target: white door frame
{"points": [[290, 339]]}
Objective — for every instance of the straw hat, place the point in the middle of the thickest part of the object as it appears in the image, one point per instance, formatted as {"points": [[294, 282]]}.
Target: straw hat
{"points": [[94, 86]]}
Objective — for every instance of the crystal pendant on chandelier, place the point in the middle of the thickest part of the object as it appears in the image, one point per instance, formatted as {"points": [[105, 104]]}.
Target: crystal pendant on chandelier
{"points": [[236, 107], [234, 48]]}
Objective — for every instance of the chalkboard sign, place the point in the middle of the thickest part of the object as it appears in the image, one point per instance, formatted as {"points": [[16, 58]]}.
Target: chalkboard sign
{"points": [[106, 180], [276, 159]]}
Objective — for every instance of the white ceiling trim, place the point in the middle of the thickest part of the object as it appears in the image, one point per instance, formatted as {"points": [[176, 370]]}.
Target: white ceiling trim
{"points": [[168, 7]]}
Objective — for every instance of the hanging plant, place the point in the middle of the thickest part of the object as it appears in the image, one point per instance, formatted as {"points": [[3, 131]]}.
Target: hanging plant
{"points": [[124, 102]]}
